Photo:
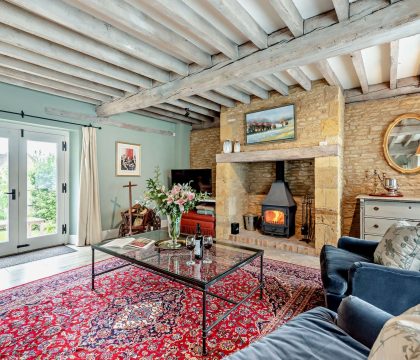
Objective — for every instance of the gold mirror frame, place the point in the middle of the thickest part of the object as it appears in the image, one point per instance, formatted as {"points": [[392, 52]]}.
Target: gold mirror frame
{"points": [[388, 157]]}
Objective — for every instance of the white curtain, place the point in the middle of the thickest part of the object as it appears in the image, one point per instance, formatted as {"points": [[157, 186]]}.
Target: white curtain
{"points": [[90, 228]]}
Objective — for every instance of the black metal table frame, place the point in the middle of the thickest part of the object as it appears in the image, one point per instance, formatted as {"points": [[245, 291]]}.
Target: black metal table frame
{"points": [[190, 282]]}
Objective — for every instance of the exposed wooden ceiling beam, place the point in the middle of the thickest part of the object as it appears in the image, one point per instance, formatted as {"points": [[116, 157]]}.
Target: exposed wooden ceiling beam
{"points": [[342, 9], [403, 19], [188, 19], [32, 43], [158, 117], [297, 74], [23, 20], [393, 71], [173, 115], [405, 86], [409, 139], [359, 67], [48, 90], [199, 101], [178, 110], [111, 85], [217, 98], [27, 77], [206, 125], [253, 89], [87, 25], [275, 83], [290, 15], [193, 107], [29, 68], [327, 72], [241, 19], [233, 93]]}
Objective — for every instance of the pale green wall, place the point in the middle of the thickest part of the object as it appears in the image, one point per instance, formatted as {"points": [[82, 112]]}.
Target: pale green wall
{"points": [[166, 151]]}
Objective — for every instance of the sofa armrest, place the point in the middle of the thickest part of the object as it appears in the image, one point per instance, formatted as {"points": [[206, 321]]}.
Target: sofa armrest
{"points": [[390, 289], [358, 246], [361, 320]]}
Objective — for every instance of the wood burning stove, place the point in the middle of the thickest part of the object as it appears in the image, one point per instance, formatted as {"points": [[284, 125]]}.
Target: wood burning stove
{"points": [[279, 207]]}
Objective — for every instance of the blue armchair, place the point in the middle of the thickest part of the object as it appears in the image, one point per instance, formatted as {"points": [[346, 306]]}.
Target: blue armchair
{"points": [[348, 269]]}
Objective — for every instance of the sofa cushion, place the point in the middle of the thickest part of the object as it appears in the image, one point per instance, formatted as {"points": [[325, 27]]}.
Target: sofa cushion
{"points": [[335, 265], [361, 320], [311, 335], [400, 247], [399, 338]]}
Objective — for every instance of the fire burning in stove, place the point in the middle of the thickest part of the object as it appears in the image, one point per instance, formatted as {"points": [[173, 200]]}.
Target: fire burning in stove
{"points": [[274, 217]]}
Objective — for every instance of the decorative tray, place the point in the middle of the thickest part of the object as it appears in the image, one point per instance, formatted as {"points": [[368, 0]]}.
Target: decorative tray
{"points": [[164, 244]]}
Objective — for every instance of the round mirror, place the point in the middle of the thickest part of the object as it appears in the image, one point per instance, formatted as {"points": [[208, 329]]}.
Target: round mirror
{"points": [[402, 144]]}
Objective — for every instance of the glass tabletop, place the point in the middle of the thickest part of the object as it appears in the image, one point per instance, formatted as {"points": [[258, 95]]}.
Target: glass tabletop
{"points": [[224, 258]]}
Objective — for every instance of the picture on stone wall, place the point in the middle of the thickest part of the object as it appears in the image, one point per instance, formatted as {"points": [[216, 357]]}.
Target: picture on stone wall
{"points": [[128, 159], [271, 125]]}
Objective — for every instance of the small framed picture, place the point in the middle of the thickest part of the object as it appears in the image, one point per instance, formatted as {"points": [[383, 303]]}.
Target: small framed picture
{"points": [[128, 159], [271, 125]]}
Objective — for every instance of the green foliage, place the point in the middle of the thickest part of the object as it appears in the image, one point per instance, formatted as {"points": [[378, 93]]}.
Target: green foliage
{"points": [[42, 183], [4, 200]]}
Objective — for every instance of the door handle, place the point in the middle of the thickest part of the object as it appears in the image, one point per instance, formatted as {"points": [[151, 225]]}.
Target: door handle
{"points": [[13, 193]]}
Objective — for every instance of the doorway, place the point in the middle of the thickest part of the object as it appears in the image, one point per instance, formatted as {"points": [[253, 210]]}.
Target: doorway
{"points": [[33, 188]]}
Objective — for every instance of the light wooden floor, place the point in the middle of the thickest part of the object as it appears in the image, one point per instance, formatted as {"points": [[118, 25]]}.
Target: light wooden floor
{"points": [[21, 274]]}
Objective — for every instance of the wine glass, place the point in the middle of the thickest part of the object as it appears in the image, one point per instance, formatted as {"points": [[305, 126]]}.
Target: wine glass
{"points": [[190, 244], [207, 242]]}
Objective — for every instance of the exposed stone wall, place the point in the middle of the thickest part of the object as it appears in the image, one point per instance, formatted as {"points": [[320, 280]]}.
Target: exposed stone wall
{"points": [[204, 145], [365, 126]]}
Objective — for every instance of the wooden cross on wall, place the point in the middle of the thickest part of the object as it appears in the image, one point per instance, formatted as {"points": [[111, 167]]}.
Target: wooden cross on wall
{"points": [[130, 199]]}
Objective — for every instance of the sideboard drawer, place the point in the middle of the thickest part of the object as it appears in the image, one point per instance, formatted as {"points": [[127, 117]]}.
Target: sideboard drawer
{"points": [[373, 237], [380, 226], [394, 209]]}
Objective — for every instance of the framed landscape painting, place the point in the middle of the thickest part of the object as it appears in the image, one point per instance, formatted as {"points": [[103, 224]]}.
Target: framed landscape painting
{"points": [[271, 125], [128, 159]]}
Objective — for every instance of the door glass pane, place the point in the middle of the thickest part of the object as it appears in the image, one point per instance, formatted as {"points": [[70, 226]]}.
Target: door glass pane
{"points": [[42, 188], [4, 187]]}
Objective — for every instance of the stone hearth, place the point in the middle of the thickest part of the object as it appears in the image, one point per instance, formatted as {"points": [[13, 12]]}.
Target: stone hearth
{"points": [[319, 117]]}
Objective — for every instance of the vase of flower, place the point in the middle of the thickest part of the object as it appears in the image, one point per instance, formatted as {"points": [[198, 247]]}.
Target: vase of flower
{"points": [[174, 228], [172, 202]]}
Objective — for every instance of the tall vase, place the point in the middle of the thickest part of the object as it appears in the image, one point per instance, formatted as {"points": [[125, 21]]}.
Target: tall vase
{"points": [[174, 228]]}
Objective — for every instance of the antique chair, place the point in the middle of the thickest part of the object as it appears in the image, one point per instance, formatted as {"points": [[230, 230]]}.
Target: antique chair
{"points": [[143, 219]]}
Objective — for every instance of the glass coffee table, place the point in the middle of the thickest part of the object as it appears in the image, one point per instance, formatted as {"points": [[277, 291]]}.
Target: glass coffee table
{"points": [[171, 264]]}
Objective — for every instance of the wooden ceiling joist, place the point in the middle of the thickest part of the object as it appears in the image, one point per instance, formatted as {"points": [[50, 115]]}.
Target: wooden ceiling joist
{"points": [[233, 93], [359, 67], [158, 117], [200, 101], [358, 32], [193, 107], [35, 44], [275, 83], [253, 89], [89, 26], [138, 71], [188, 19], [218, 98], [170, 114], [327, 72], [48, 90], [301, 78], [405, 86], [393, 71], [30, 78], [290, 15], [177, 110], [241, 19], [342, 9]]}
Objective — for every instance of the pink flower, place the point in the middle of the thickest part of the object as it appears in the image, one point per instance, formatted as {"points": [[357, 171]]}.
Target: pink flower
{"points": [[180, 202], [170, 200], [190, 196], [181, 208]]}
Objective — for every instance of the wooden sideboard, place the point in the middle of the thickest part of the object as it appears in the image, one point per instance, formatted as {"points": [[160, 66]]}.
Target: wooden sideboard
{"points": [[377, 214]]}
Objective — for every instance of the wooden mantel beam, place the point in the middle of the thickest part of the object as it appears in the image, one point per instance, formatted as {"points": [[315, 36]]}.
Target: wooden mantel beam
{"points": [[395, 21]]}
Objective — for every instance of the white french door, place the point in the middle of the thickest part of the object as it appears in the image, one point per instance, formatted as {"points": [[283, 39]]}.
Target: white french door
{"points": [[33, 189]]}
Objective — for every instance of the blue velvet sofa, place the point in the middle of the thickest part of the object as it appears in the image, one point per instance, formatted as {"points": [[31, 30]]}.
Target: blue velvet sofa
{"points": [[322, 334], [348, 269]]}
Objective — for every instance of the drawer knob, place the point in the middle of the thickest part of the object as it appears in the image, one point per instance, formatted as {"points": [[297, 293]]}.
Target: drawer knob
{"points": [[376, 208], [376, 226], [409, 207]]}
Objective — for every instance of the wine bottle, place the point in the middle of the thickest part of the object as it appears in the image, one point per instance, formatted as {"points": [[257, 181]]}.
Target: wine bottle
{"points": [[198, 250]]}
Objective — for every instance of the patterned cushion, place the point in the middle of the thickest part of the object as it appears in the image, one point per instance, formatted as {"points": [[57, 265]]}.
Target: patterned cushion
{"points": [[399, 338], [400, 247]]}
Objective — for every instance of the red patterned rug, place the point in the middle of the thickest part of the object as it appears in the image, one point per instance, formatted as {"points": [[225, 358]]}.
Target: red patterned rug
{"points": [[137, 315]]}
